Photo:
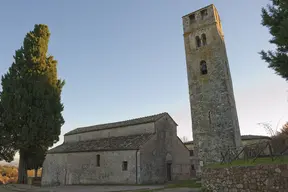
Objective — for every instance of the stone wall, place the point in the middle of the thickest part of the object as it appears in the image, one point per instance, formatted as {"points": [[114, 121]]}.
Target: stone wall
{"points": [[193, 159], [114, 132], [260, 178], [176, 152], [165, 147], [81, 168]]}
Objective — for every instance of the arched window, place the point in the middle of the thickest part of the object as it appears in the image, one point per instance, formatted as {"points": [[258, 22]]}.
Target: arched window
{"points": [[204, 13], [198, 41], [204, 39], [192, 18], [203, 67]]}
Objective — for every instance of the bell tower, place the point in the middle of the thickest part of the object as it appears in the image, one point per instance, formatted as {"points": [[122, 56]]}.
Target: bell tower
{"points": [[214, 117]]}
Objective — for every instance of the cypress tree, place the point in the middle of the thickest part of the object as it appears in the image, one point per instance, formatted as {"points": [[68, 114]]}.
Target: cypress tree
{"points": [[31, 97], [7, 150], [35, 158], [275, 17]]}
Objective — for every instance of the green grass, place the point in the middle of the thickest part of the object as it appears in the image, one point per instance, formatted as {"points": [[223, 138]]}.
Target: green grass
{"points": [[259, 161]]}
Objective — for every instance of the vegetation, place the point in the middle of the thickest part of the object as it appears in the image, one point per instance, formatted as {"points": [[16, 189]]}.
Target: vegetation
{"points": [[275, 17], [35, 158], [284, 129], [9, 174], [279, 139], [184, 184], [258, 161], [31, 98], [7, 150]]}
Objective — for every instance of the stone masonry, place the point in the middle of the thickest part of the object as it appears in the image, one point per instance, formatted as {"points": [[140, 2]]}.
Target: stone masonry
{"points": [[138, 151], [81, 168], [214, 117], [260, 178]]}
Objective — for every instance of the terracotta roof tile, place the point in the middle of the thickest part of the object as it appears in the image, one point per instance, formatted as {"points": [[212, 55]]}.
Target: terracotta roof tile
{"points": [[106, 144]]}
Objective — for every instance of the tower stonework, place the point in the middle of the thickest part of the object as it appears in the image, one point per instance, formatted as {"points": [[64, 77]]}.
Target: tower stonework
{"points": [[214, 117]]}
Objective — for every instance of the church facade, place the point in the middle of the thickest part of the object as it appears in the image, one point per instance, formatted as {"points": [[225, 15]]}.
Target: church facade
{"points": [[138, 151]]}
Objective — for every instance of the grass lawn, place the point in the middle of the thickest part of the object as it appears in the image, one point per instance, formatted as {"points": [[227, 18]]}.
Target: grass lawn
{"points": [[258, 161]]}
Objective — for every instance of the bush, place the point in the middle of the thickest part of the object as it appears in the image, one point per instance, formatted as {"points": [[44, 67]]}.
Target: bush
{"points": [[279, 143]]}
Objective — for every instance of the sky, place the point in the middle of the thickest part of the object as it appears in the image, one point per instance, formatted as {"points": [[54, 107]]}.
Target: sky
{"points": [[126, 59]]}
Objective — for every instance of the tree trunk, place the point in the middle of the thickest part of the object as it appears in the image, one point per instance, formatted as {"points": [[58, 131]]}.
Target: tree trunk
{"points": [[22, 169], [35, 172]]}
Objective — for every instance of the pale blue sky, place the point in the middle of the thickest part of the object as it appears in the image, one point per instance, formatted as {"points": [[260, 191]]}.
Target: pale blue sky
{"points": [[125, 59]]}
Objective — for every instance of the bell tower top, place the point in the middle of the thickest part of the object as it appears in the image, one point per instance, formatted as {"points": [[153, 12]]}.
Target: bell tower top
{"points": [[201, 18]]}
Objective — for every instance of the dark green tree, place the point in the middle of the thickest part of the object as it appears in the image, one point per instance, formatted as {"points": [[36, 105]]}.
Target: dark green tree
{"points": [[35, 158], [7, 150], [275, 17], [31, 97]]}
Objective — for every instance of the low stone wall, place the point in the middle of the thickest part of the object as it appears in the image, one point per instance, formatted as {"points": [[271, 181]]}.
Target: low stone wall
{"points": [[260, 178]]}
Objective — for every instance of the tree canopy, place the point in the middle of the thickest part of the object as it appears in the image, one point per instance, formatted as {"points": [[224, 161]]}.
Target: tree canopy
{"points": [[275, 17], [284, 129], [7, 150], [31, 97]]}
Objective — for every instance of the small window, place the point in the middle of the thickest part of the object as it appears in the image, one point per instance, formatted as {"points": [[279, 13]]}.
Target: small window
{"points": [[204, 13], [124, 166], [198, 41], [98, 161], [192, 18], [204, 39], [203, 67], [191, 153], [192, 167]]}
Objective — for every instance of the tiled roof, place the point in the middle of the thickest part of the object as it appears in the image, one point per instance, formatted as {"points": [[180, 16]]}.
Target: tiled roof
{"points": [[252, 137], [136, 121], [106, 144]]}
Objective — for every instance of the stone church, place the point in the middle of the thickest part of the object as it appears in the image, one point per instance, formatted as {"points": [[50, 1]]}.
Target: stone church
{"points": [[147, 150], [138, 151]]}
